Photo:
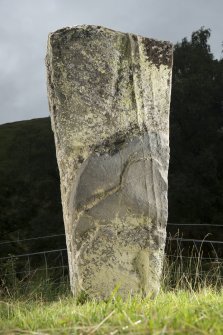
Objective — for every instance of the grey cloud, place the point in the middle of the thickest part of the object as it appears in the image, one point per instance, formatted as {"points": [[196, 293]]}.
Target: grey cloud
{"points": [[25, 24]]}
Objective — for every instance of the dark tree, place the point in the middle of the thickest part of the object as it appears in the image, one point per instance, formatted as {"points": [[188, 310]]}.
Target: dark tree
{"points": [[196, 137]]}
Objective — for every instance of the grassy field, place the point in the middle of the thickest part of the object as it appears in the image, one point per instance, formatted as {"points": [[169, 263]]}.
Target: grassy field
{"points": [[172, 312], [190, 302]]}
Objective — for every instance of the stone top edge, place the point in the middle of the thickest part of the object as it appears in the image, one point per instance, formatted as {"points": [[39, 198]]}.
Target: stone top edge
{"points": [[99, 27]]}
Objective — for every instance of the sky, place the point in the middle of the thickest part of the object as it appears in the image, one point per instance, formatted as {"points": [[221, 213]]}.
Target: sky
{"points": [[25, 24]]}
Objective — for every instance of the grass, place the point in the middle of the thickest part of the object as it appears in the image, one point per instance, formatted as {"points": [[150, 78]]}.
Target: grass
{"points": [[177, 312], [190, 302]]}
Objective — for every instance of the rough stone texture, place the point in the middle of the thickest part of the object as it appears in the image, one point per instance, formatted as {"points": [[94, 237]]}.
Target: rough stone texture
{"points": [[109, 96]]}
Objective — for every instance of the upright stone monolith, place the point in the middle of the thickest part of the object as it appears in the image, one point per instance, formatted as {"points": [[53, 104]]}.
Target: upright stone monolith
{"points": [[109, 96]]}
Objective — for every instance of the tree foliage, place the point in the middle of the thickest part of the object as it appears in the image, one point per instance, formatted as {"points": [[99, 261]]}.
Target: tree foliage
{"points": [[196, 137]]}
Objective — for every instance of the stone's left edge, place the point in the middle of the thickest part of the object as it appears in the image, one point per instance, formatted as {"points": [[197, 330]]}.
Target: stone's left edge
{"points": [[144, 138]]}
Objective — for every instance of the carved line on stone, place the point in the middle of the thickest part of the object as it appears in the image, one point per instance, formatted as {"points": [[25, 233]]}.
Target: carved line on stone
{"points": [[136, 89], [153, 187], [140, 106], [115, 81], [97, 198]]}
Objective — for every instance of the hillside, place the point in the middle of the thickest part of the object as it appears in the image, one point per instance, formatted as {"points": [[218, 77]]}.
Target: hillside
{"points": [[30, 202]]}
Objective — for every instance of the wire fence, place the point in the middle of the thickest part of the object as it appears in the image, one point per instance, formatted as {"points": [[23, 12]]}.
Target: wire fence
{"points": [[169, 224], [33, 253], [213, 260], [193, 240], [195, 224], [60, 261], [65, 249], [31, 239]]}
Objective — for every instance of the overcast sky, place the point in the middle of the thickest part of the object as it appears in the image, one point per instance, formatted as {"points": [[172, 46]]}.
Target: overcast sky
{"points": [[25, 24]]}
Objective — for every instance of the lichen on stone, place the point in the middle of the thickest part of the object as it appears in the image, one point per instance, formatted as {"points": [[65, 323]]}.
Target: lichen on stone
{"points": [[109, 97]]}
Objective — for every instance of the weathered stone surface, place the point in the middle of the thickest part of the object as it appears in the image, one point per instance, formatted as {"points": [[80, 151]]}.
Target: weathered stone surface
{"points": [[109, 96]]}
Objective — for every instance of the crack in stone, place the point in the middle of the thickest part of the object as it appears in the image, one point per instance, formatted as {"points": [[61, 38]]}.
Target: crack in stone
{"points": [[97, 198]]}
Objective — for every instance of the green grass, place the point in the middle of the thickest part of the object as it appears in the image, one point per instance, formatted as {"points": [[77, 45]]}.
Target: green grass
{"points": [[177, 312], [190, 302]]}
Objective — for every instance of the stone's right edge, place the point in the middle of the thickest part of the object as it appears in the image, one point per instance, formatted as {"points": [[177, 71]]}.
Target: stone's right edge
{"points": [[113, 170], [126, 251]]}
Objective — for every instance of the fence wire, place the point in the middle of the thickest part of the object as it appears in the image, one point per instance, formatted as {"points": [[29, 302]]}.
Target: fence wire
{"points": [[63, 234], [63, 266]]}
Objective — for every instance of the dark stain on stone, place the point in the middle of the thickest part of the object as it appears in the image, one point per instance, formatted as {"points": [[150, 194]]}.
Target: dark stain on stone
{"points": [[134, 37], [80, 159], [114, 143], [160, 53]]}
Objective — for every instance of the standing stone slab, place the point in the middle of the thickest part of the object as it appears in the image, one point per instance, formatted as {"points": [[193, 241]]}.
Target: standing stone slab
{"points": [[109, 96]]}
